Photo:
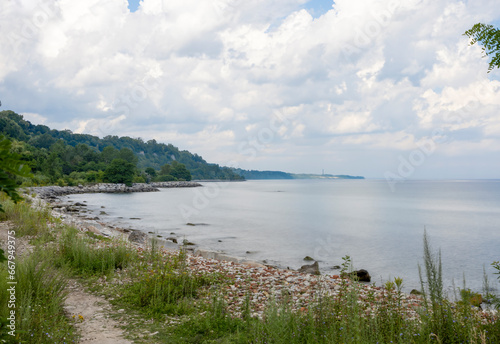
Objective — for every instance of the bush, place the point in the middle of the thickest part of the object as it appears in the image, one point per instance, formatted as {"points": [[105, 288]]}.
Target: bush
{"points": [[165, 178], [120, 171]]}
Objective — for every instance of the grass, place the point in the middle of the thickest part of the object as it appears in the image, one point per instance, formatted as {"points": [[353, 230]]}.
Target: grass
{"points": [[28, 221], [86, 255], [39, 298], [180, 305]]}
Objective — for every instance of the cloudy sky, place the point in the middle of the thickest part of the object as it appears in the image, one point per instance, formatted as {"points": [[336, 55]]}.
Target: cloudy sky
{"points": [[383, 89]]}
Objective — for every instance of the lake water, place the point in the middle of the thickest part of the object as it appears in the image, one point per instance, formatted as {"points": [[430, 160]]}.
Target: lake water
{"points": [[282, 221]]}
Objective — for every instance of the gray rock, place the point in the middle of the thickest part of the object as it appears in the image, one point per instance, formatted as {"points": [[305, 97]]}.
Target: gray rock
{"points": [[312, 269], [361, 275], [174, 240], [138, 237]]}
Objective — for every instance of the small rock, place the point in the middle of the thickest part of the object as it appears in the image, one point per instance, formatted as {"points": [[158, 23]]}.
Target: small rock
{"points": [[312, 269], [174, 240], [415, 292], [308, 258], [336, 267], [138, 237]]}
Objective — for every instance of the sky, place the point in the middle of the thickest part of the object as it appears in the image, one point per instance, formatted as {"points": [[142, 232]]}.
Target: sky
{"points": [[382, 89]]}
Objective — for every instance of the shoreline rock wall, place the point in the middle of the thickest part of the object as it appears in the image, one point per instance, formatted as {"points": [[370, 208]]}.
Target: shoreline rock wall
{"points": [[56, 191]]}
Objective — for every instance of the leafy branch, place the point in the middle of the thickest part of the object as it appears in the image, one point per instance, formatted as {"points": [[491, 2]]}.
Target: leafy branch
{"points": [[489, 37]]}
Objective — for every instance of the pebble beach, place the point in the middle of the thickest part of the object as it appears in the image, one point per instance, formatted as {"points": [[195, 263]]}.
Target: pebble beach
{"points": [[252, 283]]}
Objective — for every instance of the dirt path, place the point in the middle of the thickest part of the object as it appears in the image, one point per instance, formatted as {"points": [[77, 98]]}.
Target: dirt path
{"points": [[92, 316], [91, 313]]}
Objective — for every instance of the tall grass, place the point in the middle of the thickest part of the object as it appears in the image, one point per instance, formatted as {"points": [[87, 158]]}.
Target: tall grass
{"points": [[28, 221], [88, 256], [39, 300], [162, 284]]}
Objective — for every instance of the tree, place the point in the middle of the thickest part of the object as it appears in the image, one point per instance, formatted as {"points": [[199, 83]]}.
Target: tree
{"points": [[165, 170], [108, 154], [120, 171], [489, 37], [11, 166], [180, 171], [151, 171], [128, 155]]}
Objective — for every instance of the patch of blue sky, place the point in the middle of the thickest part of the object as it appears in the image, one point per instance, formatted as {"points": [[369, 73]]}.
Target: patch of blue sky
{"points": [[317, 8], [133, 5]]}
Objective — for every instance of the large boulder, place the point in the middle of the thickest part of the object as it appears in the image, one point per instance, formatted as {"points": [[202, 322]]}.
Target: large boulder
{"points": [[312, 269]]}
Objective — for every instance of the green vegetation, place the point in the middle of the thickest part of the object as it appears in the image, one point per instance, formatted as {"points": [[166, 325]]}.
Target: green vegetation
{"points": [[84, 257], [489, 37], [66, 158], [39, 292], [11, 166], [119, 171], [177, 304]]}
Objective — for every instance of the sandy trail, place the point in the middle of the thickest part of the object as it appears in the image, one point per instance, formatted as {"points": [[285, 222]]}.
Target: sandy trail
{"points": [[91, 314]]}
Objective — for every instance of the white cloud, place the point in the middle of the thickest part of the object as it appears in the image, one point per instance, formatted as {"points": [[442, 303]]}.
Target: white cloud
{"points": [[371, 76]]}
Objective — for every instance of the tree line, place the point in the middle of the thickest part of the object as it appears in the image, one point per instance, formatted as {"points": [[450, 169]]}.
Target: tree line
{"points": [[65, 158]]}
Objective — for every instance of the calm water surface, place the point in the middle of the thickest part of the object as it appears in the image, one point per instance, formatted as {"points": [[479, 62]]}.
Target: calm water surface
{"points": [[283, 221]]}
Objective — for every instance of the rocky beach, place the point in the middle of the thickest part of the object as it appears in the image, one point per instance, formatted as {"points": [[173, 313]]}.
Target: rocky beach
{"points": [[254, 299], [258, 282]]}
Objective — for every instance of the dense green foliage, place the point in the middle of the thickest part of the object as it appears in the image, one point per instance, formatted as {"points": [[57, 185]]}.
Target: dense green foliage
{"points": [[119, 171], [11, 166], [489, 37], [67, 158]]}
